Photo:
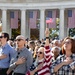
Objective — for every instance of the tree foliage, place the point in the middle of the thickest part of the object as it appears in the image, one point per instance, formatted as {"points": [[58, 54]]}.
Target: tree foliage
{"points": [[72, 32]]}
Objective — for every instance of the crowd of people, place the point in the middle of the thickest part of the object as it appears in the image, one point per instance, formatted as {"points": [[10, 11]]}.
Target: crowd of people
{"points": [[37, 57]]}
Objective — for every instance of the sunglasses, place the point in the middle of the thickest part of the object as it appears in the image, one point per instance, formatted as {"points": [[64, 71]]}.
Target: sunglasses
{"points": [[18, 39], [18, 54], [39, 52], [1, 36]]}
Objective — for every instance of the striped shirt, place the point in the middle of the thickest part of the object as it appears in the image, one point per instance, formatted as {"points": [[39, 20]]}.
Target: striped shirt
{"points": [[45, 70]]}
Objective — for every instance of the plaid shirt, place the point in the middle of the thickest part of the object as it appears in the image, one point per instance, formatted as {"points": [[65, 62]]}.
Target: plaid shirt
{"points": [[66, 69]]}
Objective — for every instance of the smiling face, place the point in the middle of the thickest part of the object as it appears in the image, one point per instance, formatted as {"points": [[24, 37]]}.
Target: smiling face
{"points": [[40, 53]]}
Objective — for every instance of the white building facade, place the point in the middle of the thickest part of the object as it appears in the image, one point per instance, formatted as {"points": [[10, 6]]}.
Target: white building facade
{"points": [[42, 5]]}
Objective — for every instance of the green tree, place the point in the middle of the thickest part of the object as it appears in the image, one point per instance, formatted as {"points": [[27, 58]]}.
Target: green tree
{"points": [[72, 32]]}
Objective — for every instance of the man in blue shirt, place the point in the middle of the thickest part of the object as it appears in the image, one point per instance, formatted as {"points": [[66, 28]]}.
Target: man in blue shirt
{"points": [[6, 53]]}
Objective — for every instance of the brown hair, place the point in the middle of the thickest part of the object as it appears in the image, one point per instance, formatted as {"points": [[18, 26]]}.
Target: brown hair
{"points": [[72, 42]]}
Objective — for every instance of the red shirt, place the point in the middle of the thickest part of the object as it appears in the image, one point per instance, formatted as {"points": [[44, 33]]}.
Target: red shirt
{"points": [[45, 70]]}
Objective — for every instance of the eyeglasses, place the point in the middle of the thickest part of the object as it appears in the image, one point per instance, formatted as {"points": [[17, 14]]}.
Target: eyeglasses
{"points": [[18, 54], [1, 36], [18, 39], [39, 52], [52, 43]]}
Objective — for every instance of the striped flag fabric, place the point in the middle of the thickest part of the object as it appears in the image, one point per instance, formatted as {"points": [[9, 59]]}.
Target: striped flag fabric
{"points": [[28, 73], [71, 18], [48, 20], [14, 19], [32, 19], [52, 15]]}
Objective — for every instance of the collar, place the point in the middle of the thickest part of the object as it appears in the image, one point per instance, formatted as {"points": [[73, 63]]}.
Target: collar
{"points": [[41, 60], [5, 45], [19, 50], [71, 56]]}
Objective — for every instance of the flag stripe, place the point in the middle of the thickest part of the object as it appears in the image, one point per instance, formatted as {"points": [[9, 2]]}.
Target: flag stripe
{"points": [[48, 20]]}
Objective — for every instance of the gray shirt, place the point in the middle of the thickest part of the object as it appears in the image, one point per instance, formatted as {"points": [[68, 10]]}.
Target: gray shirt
{"points": [[22, 68]]}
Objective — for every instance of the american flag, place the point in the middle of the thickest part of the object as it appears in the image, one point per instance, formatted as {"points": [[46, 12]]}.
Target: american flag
{"points": [[71, 18], [48, 20], [53, 24], [14, 19], [32, 19]]}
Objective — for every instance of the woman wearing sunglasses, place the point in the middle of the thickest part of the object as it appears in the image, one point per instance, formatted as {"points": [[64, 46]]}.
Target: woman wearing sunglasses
{"points": [[65, 64], [43, 58]]}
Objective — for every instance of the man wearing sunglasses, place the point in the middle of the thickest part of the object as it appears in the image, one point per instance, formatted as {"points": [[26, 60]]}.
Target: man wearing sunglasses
{"points": [[23, 58], [6, 53]]}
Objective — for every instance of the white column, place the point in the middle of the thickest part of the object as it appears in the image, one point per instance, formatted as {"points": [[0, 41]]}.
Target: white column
{"points": [[23, 23], [4, 20], [42, 24], [27, 25], [28, 31], [8, 24], [61, 26], [65, 23]]}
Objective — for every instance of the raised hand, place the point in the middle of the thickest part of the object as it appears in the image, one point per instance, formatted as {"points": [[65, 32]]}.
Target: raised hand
{"points": [[47, 32]]}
